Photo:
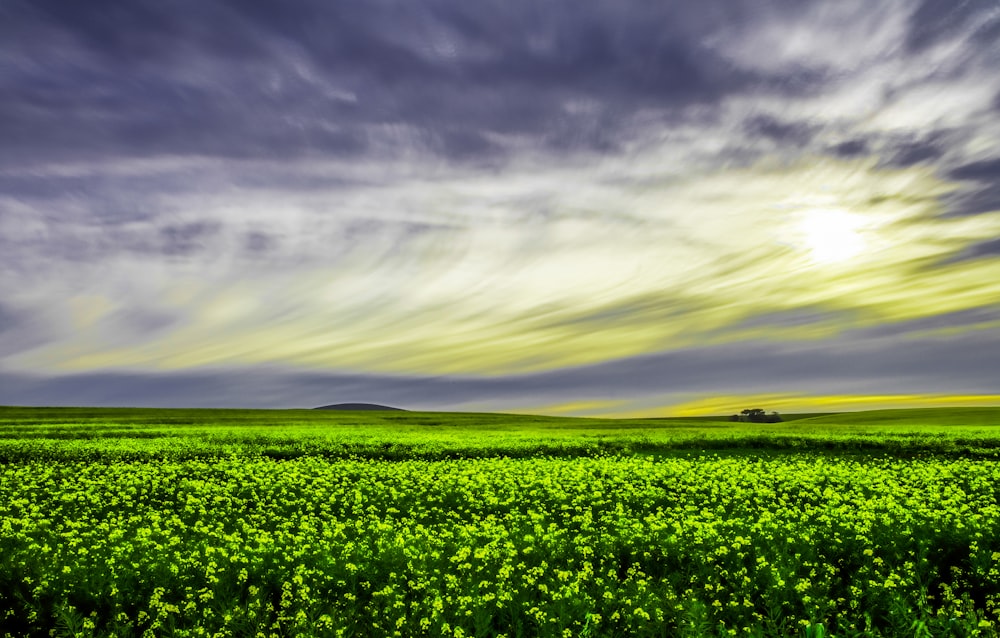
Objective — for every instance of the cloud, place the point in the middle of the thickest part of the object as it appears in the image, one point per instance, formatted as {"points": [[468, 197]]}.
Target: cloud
{"points": [[451, 271], [848, 366], [240, 80], [485, 83], [936, 23], [908, 152], [981, 250], [485, 189], [983, 170]]}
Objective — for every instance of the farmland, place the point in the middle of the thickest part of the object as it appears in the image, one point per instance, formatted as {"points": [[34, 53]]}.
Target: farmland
{"points": [[128, 522]]}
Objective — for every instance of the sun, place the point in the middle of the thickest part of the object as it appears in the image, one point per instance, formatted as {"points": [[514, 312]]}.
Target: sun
{"points": [[831, 235]]}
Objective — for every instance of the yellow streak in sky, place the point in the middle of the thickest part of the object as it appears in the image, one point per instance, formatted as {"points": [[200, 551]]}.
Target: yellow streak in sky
{"points": [[576, 408], [615, 270]]}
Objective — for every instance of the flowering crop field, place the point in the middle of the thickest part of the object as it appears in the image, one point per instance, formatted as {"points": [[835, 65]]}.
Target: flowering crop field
{"points": [[301, 523]]}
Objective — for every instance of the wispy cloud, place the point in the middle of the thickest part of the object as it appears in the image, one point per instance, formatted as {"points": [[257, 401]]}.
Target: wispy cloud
{"points": [[492, 189]]}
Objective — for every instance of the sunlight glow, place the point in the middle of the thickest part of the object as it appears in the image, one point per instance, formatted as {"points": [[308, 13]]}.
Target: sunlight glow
{"points": [[616, 270], [831, 235]]}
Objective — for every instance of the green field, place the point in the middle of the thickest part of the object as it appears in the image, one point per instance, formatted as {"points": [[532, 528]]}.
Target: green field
{"points": [[142, 522]]}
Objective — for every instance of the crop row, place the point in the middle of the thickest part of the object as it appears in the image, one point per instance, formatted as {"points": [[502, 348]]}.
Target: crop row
{"points": [[606, 546]]}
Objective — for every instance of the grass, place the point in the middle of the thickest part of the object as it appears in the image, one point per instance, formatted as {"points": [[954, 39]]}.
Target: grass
{"points": [[125, 433], [144, 522]]}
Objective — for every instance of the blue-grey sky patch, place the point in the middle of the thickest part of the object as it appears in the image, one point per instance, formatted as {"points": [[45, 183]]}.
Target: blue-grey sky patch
{"points": [[797, 133], [912, 152], [983, 197], [979, 320], [850, 148], [986, 170], [184, 239], [989, 249], [259, 243]]}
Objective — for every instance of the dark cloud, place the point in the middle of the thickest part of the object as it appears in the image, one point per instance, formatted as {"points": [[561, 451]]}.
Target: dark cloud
{"points": [[846, 365], [982, 195], [19, 331], [884, 364], [850, 148], [145, 78], [980, 250], [912, 152], [248, 79], [975, 200], [143, 323], [257, 243], [937, 21], [8, 320], [314, 79], [793, 318], [185, 239], [982, 170], [971, 317], [789, 133]]}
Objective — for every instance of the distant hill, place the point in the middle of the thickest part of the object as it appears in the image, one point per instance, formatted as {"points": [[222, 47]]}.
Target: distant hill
{"points": [[358, 407]]}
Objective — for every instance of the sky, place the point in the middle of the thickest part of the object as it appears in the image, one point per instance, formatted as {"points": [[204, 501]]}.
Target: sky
{"points": [[594, 208]]}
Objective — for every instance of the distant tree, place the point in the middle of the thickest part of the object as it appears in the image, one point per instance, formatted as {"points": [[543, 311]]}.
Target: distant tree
{"points": [[756, 415]]}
